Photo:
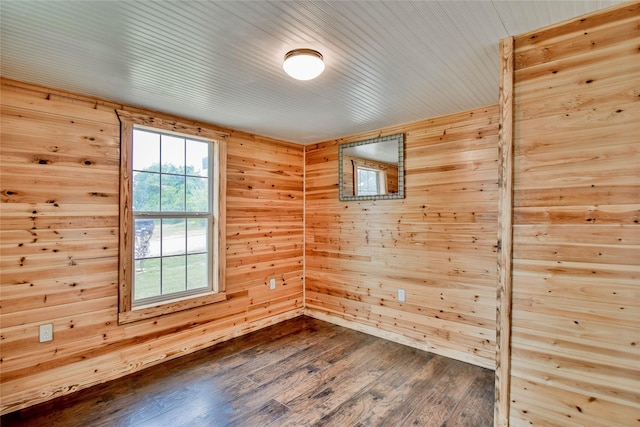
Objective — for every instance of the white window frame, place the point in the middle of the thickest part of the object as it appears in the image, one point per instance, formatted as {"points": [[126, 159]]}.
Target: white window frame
{"points": [[129, 311], [380, 177]]}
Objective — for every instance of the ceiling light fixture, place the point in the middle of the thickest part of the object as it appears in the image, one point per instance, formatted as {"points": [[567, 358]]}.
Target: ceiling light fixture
{"points": [[303, 64]]}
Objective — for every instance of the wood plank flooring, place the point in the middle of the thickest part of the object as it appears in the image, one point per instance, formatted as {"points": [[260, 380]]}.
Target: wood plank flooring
{"points": [[302, 372]]}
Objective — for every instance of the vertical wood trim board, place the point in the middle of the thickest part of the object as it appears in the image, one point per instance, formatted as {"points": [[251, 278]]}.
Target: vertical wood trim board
{"points": [[125, 261], [575, 354], [439, 244], [59, 234], [505, 235]]}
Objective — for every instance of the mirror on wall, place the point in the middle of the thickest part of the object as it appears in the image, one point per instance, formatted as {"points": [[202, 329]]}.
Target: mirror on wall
{"points": [[372, 169]]}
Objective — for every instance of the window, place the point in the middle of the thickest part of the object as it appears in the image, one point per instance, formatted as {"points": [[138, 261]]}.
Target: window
{"points": [[172, 214], [368, 182], [172, 217]]}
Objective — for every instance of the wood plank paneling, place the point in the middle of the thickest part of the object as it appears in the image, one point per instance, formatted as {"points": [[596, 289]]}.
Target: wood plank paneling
{"points": [[59, 247], [576, 241], [438, 244]]}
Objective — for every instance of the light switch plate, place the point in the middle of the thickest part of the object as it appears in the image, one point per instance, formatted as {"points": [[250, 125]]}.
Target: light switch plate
{"points": [[401, 295], [272, 283]]}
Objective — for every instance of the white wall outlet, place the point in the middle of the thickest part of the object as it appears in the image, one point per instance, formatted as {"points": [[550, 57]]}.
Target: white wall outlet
{"points": [[401, 295], [46, 332], [272, 283]]}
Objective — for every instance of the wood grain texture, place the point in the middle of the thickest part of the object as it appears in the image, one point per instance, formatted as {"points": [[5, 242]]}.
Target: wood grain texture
{"points": [[439, 244], [301, 372], [126, 242], [576, 240], [505, 235], [59, 246]]}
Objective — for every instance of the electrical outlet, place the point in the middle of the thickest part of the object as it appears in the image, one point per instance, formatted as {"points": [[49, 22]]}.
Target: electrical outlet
{"points": [[46, 332], [272, 283], [401, 295]]}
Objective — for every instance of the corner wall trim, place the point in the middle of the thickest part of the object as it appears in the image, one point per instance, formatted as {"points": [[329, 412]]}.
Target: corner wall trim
{"points": [[505, 235]]}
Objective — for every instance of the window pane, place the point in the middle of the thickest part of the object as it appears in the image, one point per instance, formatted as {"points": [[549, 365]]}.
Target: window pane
{"points": [[144, 230], [154, 241], [174, 233], [174, 273], [196, 235], [146, 191], [197, 158], [197, 194], [173, 193], [197, 271], [146, 151], [146, 278], [367, 182], [172, 154]]}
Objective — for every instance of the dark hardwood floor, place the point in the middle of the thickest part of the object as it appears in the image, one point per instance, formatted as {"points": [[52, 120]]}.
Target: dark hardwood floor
{"points": [[303, 372]]}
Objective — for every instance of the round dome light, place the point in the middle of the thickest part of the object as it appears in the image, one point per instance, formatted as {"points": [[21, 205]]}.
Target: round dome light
{"points": [[303, 64]]}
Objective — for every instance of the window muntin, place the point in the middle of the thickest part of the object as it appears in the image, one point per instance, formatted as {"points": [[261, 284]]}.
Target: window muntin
{"points": [[173, 216]]}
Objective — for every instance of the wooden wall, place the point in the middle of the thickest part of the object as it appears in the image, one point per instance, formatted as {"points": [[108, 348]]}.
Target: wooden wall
{"points": [[59, 248], [439, 243], [576, 239]]}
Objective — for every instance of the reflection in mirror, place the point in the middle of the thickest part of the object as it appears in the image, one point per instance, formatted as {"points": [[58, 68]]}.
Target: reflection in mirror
{"points": [[372, 169]]}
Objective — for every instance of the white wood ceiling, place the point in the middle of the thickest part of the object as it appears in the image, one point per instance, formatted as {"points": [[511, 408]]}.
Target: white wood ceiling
{"points": [[387, 62]]}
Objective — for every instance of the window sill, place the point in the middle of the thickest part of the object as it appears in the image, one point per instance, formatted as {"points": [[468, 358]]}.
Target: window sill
{"points": [[168, 307]]}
